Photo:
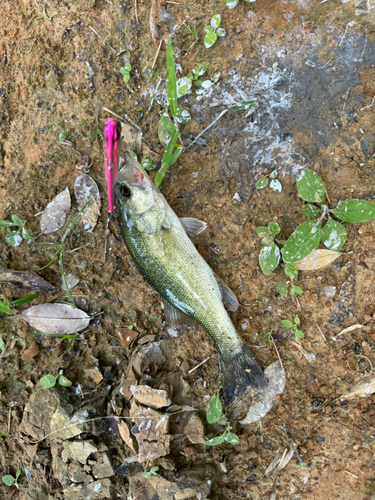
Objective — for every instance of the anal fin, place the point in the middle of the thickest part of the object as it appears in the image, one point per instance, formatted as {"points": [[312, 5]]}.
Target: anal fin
{"points": [[175, 317], [192, 226], [227, 295]]}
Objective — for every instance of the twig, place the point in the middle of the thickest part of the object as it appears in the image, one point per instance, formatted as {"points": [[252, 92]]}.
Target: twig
{"points": [[156, 55], [200, 364], [122, 119], [346, 98], [370, 105], [136, 11], [154, 31], [318, 327], [367, 359], [242, 283], [326, 64], [343, 36], [97, 34], [209, 126], [277, 352], [9, 417], [350, 474]]}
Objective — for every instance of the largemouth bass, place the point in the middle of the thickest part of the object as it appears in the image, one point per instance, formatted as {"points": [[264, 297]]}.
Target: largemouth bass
{"points": [[165, 256]]}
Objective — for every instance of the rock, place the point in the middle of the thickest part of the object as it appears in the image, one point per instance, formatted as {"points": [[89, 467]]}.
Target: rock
{"points": [[194, 430], [48, 411], [71, 281], [329, 291], [96, 490], [186, 494], [125, 388], [77, 473], [156, 487], [150, 354], [78, 450], [102, 467], [151, 432], [265, 400], [154, 398], [92, 369]]}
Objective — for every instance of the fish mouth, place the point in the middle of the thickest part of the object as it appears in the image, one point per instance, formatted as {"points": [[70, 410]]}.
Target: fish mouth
{"points": [[112, 138]]}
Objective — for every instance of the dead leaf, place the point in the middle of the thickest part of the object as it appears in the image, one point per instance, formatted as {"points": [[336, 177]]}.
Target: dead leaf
{"points": [[131, 138], [125, 434], [55, 319], [27, 280], [317, 259], [30, 353], [55, 213], [350, 329], [364, 388], [275, 462], [126, 336], [86, 190], [71, 281]]}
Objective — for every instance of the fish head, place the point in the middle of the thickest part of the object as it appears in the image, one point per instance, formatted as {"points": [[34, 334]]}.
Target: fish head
{"points": [[137, 197]]}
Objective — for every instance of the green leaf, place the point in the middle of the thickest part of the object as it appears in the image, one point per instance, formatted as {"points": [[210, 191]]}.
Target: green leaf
{"points": [[8, 480], [298, 334], [215, 77], [171, 80], [354, 210], [2, 343], [287, 323], [26, 235], [231, 438], [147, 475], [183, 116], [269, 258], [14, 238], [276, 186], [18, 472], [274, 228], [263, 231], [333, 235], [302, 242], [64, 381], [210, 39], [17, 221], [310, 210], [48, 381], [231, 4], [282, 289], [183, 86], [215, 21], [297, 321], [147, 163], [214, 410], [273, 174], [291, 270], [128, 66], [3, 308], [6, 223], [209, 29], [310, 186], [134, 155], [165, 129], [24, 300], [298, 290], [154, 469], [200, 70], [126, 77], [169, 157], [215, 441], [245, 105], [261, 183], [221, 32]]}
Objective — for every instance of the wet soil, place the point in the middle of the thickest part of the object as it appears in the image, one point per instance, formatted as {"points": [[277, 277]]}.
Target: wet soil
{"points": [[310, 66]]}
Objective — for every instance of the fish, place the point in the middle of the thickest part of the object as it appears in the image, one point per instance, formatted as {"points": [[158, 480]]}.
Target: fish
{"points": [[159, 244]]}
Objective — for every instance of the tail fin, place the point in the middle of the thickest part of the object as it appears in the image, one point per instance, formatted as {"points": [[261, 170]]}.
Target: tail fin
{"points": [[240, 371]]}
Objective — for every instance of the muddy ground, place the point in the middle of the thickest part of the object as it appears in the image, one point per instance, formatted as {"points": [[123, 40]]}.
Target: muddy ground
{"points": [[310, 66]]}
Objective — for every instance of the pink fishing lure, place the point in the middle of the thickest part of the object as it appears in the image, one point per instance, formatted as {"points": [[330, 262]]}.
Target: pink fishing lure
{"points": [[112, 135]]}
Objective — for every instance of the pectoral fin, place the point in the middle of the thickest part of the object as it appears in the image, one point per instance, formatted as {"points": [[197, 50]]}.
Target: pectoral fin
{"points": [[175, 317], [229, 299], [192, 226]]}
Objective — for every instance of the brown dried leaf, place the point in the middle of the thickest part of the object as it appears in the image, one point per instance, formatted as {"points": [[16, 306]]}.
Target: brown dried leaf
{"points": [[55, 319], [27, 280], [86, 190], [31, 352], [126, 336], [350, 329], [317, 259], [55, 213], [125, 434]]}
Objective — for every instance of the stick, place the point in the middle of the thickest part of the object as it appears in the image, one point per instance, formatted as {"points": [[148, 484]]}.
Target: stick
{"points": [[136, 11], [122, 119], [277, 352], [318, 327], [200, 364], [97, 34], [203, 131], [156, 55]]}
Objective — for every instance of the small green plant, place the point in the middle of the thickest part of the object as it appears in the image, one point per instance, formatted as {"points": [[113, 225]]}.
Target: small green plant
{"points": [[151, 472], [147, 163], [214, 415], [308, 235], [132, 326], [213, 31], [296, 322], [283, 289], [63, 134], [193, 31], [267, 339], [10, 480], [274, 184], [231, 4], [2, 343], [6, 307], [125, 71], [269, 256], [49, 381], [60, 252], [14, 237]]}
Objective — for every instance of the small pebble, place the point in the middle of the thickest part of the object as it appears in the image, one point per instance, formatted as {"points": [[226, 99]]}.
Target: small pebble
{"points": [[329, 291]]}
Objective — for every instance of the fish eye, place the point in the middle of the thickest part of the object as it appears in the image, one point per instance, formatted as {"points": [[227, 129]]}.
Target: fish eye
{"points": [[125, 191]]}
